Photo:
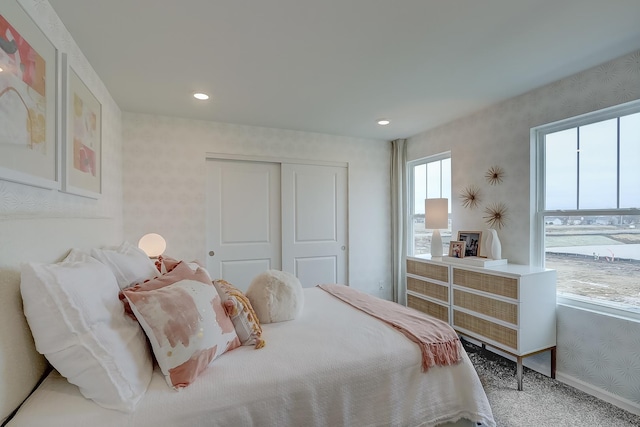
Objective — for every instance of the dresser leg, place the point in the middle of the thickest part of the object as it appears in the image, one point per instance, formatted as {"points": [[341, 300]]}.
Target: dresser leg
{"points": [[553, 363], [519, 372]]}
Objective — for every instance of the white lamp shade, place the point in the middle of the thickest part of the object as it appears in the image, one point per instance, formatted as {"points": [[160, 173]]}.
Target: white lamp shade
{"points": [[436, 214], [152, 244]]}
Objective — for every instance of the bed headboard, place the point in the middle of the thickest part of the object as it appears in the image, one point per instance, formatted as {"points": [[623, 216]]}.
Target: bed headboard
{"points": [[38, 240]]}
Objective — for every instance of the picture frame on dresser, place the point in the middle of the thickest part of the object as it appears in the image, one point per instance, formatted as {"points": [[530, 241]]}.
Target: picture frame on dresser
{"points": [[473, 242], [457, 248], [82, 136], [29, 147]]}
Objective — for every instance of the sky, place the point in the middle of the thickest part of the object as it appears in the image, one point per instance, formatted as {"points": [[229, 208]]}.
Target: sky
{"points": [[581, 166]]}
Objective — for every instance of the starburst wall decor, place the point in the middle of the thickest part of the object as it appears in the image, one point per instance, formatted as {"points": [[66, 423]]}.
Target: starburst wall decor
{"points": [[470, 197], [496, 215], [494, 175]]}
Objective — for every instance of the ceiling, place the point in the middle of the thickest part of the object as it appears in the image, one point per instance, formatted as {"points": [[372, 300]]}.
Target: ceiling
{"points": [[336, 66]]}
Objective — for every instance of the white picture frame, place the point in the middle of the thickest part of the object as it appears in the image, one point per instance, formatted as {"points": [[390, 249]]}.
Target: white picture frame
{"points": [[81, 136], [29, 93]]}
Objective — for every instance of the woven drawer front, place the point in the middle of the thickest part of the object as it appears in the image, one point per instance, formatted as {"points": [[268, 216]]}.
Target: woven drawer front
{"points": [[504, 286], [486, 329], [431, 271], [431, 308], [501, 310], [429, 289]]}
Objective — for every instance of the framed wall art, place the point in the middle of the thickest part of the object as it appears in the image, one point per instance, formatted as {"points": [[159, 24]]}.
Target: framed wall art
{"points": [[82, 130], [29, 152], [472, 241]]}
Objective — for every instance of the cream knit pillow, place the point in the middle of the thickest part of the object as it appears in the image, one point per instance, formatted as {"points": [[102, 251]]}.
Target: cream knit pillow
{"points": [[276, 296]]}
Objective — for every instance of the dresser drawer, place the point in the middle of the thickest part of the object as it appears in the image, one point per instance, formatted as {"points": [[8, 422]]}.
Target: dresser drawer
{"points": [[485, 329], [431, 308], [429, 289], [501, 310], [430, 271], [498, 285]]}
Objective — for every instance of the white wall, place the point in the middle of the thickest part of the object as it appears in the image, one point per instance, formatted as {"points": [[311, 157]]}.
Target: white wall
{"points": [[22, 206], [164, 184], [500, 136]]}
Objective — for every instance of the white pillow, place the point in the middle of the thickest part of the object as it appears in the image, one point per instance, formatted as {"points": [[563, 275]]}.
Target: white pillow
{"points": [[276, 296], [128, 263], [78, 323]]}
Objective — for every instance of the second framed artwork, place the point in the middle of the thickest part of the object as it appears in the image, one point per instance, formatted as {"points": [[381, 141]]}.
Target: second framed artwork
{"points": [[82, 136], [472, 240]]}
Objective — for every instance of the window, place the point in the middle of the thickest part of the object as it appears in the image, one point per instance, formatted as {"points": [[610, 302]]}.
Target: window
{"points": [[428, 178], [588, 206]]}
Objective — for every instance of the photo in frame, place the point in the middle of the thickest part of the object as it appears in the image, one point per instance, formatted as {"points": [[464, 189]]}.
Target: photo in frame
{"points": [[456, 249], [473, 240], [29, 149], [82, 130]]}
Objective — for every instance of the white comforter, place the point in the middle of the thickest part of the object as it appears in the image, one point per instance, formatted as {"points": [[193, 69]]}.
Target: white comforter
{"points": [[333, 366]]}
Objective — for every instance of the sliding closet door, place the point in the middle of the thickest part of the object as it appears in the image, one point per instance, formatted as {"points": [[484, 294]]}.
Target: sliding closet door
{"points": [[243, 220], [314, 223], [267, 215]]}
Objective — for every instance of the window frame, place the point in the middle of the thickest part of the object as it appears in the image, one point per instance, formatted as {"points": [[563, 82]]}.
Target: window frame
{"points": [[411, 216], [539, 211]]}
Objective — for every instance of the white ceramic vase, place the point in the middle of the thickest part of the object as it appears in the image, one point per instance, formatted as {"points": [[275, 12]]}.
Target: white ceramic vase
{"points": [[492, 245]]}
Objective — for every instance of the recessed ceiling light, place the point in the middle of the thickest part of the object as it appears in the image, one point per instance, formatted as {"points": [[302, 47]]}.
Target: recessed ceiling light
{"points": [[201, 96], [1, 70], [383, 122]]}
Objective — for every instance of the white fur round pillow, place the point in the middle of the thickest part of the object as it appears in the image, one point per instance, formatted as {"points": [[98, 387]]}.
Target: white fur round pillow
{"points": [[276, 296]]}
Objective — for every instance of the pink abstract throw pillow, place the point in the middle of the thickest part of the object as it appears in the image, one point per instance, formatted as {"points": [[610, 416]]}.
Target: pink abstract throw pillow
{"points": [[185, 322], [179, 272], [165, 264]]}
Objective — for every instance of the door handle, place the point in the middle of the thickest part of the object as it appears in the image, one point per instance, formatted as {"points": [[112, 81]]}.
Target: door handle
{"points": [[211, 253]]}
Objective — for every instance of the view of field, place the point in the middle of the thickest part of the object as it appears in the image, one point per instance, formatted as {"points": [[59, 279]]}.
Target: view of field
{"points": [[601, 263]]}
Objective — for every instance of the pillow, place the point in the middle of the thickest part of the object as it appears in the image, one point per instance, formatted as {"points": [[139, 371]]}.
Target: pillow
{"points": [[78, 324], [244, 319], [165, 264], [181, 271], [276, 296], [128, 263], [185, 323]]}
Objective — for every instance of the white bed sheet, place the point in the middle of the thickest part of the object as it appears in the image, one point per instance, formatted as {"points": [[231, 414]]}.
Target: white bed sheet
{"points": [[332, 366]]}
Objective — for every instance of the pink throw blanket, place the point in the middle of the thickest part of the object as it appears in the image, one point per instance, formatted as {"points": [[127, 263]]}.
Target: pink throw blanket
{"points": [[437, 340]]}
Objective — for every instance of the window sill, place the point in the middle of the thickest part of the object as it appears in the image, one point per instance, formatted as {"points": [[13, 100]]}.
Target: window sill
{"points": [[599, 307]]}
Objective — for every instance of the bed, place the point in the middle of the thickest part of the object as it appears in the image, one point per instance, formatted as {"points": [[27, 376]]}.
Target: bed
{"points": [[332, 366]]}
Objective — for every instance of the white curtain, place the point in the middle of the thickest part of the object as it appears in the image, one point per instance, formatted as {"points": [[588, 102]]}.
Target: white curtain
{"points": [[398, 218]]}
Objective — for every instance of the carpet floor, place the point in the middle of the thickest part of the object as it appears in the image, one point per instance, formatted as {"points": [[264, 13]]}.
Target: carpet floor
{"points": [[544, 401]]}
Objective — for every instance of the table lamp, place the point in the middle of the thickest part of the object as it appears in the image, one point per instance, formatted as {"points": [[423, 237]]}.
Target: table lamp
{"points": [[152, 244]]}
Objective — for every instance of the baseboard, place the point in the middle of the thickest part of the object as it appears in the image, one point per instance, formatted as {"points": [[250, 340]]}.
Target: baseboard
{"points": [[601, 394], [541, 364]]}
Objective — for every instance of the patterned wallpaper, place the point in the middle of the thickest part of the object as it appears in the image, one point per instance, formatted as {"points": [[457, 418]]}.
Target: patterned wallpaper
{"points": [[500, 136], [605, 354], [19, 201], [164, 184]]}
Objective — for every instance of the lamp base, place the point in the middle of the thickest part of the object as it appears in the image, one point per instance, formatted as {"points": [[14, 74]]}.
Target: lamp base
{"points": [[436, 244]]}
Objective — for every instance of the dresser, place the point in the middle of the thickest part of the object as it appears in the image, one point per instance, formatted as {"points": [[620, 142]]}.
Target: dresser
{"points": [[510, 307]]}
